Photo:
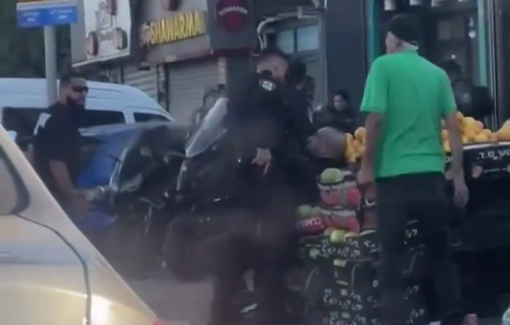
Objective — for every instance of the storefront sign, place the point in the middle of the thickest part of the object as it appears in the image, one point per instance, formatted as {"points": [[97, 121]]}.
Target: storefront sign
{"points": [[107, 29], [174, 28], [232, 15]]}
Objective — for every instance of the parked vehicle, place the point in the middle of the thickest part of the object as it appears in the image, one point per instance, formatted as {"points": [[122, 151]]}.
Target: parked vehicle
{"points": [[123, 168], [47, 265], [23, 101]]}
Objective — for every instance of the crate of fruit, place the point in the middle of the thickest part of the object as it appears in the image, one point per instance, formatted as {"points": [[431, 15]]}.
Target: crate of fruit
{"points": [[339, 188]]}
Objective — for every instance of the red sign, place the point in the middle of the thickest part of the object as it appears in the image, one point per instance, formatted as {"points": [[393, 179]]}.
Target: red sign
{"points": [[232, 14]]}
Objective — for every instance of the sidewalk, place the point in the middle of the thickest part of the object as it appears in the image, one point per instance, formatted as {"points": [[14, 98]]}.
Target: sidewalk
{"points": [[175, 301]]}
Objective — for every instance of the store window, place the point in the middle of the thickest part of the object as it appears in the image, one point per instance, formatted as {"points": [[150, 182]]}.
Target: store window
{"points": [[449, 32], [285, 41], [307, 38]]}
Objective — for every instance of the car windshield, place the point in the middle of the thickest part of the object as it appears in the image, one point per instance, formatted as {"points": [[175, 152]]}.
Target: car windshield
{"points": [[209, 131], [9, 187]]}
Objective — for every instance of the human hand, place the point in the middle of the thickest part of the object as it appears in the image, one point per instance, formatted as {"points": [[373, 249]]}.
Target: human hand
{"points": [[461, 192], [263, 159]]}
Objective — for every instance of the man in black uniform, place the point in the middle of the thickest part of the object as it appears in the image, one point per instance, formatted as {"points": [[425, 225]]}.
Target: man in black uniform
{"points": [[57, 143], [256, 121]]}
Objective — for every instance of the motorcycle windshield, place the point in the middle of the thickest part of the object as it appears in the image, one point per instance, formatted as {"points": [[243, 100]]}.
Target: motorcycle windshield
{"points": [[209, 131]]}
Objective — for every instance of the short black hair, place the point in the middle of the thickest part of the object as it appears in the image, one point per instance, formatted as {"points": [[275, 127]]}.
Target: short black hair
{"points": [[66, 78], [452, 67], [271, 52], [344, 94], [296, 72]]}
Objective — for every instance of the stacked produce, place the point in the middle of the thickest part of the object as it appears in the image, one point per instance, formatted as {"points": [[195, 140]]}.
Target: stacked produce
{"points": [[355, 147], [473, 131], [340, 237]]}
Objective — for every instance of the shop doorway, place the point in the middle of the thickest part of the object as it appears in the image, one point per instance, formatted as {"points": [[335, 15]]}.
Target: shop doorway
{"points": [[449, 32]]}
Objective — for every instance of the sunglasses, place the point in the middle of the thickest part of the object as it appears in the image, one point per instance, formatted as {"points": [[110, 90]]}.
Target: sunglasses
{"points": [[80, 89]]}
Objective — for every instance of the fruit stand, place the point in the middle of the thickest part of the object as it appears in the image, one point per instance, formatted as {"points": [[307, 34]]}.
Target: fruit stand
{"points": [[339, 235]]}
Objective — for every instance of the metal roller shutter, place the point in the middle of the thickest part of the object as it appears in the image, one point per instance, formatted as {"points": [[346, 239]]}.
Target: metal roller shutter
{"points": [[187, 83], [145, 80]]}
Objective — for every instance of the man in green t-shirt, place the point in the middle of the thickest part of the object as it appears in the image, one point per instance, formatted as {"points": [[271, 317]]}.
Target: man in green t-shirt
{"points": [[406, 97]]}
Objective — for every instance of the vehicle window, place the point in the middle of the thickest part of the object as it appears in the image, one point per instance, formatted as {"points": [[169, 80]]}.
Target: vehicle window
{"points": [[145, 117], [97, 118], [11, 194], [21, 120]]}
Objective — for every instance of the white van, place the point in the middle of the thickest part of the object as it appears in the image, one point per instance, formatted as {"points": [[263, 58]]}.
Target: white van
{"points": [[22, 101]]}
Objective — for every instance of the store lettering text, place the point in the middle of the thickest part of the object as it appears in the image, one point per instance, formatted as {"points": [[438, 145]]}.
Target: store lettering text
{"points": [[178, 27]]}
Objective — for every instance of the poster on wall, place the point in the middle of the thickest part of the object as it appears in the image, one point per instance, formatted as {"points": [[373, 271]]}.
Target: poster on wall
{"points": [[107, 29]]}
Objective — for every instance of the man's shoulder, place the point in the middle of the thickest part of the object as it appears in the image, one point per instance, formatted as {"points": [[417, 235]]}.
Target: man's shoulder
{"points": [[384, 61]]}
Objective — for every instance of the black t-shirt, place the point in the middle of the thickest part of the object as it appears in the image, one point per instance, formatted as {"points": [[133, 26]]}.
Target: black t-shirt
{"points": [[257, 113], [58, 139]]}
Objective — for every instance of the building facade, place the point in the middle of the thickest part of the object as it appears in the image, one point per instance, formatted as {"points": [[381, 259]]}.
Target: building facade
{"points": [[176, 49], [471, 32]]}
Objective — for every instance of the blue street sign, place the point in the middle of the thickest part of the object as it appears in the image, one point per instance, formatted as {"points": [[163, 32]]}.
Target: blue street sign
{"points": [[46, 13]]}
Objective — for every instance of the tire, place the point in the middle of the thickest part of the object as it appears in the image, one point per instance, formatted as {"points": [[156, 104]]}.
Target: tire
{"points": [[179, 253]]}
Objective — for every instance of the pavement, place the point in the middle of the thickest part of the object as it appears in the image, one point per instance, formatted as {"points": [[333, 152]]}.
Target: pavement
{"points": [[174, 301]]}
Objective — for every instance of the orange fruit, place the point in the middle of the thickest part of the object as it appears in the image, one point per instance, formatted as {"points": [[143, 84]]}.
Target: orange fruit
{"points": [[487, 132], [481, 137], [479, 125]]}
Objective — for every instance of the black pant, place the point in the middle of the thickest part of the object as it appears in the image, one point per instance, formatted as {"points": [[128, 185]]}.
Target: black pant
{"points": [[237, 257], [418, 197], [260, 239]]}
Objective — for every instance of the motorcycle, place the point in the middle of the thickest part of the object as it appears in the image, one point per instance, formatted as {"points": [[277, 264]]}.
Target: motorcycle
{"points": [[122, 166], [206, 191]]}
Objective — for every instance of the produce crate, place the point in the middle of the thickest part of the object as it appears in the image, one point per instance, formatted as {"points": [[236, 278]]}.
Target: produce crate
{"points": [[347, 306], [361, 247], [485, 160]]}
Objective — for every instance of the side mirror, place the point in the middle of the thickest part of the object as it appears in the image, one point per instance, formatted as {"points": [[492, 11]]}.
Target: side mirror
{"points": [[13, 135]]}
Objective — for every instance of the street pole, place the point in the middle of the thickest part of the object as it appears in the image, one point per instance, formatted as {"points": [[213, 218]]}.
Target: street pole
{"points": [[323, 65], [50, 63]]}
